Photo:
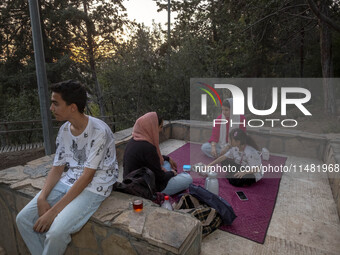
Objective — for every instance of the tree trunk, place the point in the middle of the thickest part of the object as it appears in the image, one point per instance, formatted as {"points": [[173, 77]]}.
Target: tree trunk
{"points": [[90, 44], [213, 21], [326, 62], [302, 51]]}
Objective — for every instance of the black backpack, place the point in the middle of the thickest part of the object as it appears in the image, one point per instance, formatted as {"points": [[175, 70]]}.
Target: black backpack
{"points": [[140, 182]]}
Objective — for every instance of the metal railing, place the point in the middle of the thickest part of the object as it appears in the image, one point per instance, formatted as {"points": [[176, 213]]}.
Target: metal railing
{"points": [[11, 132]]}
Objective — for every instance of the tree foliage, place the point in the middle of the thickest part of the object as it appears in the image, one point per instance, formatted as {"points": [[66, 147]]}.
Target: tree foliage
{"points": [[66, 46], [132, 65]]}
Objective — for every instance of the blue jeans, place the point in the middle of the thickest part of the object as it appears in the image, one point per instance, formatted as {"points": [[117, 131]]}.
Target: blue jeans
{"points": [[206, 149], [68, 221], [177, 183]]}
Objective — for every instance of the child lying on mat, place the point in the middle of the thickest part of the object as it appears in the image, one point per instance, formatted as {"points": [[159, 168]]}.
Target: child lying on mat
{"points": [[243, 158]]}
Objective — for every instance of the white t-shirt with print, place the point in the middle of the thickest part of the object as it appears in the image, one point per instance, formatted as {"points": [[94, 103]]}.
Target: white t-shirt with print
{"points": [[95, 149], [248, 157]]}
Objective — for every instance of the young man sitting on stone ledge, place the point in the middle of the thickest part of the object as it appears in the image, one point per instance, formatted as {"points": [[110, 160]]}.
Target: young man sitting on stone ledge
{"points": [[86, 149]]}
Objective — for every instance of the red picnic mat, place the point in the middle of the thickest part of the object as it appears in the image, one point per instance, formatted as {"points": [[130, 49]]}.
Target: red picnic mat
{"points": [[253, 215]]}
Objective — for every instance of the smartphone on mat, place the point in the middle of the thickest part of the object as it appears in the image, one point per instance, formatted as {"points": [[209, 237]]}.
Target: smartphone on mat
{"points": [[241, 195]]}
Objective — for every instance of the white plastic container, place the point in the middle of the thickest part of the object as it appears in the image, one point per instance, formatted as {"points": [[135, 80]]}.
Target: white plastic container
{"points": [[211, 183], [265, 154], [166, 204]]}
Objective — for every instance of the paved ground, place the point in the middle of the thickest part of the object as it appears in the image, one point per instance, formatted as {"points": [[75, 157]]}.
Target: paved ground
{"points": [[305, 219]]}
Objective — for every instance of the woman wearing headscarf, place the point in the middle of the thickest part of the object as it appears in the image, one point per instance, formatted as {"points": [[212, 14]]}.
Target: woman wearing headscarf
{"points": [[143, 151], [218, 142]]}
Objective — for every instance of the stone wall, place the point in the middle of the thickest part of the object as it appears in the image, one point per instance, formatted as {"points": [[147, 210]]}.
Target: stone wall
{"points": [[295, 143], [332, 157], [113, 229]]}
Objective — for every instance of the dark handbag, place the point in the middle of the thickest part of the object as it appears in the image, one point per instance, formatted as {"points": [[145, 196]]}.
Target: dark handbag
{"points": [[208, 216], [214, 201], [140, 182], [187, 201]]}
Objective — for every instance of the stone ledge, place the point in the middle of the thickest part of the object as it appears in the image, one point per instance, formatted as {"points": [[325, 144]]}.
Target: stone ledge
{"points": [[113, 227], [289, 142]]}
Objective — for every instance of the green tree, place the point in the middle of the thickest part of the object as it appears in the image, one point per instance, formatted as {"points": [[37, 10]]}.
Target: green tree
{"points": [[64, 32]]}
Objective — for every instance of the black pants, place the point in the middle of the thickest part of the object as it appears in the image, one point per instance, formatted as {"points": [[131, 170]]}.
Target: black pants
{"points": [[246, 180]]}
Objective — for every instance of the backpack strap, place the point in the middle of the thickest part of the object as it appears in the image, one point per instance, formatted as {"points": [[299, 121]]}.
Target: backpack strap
{"points": [[210, 217], [187, 201]]}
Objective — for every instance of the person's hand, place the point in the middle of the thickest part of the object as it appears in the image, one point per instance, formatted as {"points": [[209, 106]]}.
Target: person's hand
{"points": [[225, 149], [213, 151], [44, 222], [240, 174], [43, 206], [174, 171], [172, 163], [164, 169]]}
